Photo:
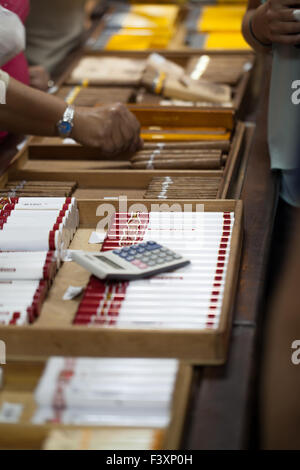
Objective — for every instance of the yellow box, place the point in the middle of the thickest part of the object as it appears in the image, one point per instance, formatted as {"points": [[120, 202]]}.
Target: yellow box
{"points": [[221, 18]]}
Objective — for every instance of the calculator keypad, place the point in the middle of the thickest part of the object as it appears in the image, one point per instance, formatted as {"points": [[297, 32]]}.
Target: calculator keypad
{"points": [[147, 255]]}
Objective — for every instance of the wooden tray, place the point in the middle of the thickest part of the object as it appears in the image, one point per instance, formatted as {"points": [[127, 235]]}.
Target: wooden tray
{"points": [[181, 58], [21, 380], [48, 159], [54, 334]]}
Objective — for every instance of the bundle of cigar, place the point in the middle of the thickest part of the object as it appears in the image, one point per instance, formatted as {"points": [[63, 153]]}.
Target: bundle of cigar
{"points": [[191, 90], [93, 96], [198, 187], [163, 158], [157, 74], [111, 71], [218, 69], [190, 298], [38, 188], [106, 392], [213, 144], [166, 78], [184, 134], [145, 97]]}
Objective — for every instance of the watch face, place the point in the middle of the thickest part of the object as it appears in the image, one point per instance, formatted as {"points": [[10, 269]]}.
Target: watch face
{"points": [[65, 127]]}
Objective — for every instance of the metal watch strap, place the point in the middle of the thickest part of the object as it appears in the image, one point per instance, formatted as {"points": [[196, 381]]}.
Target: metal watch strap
{"points": [[69, 114], [65, 125]]}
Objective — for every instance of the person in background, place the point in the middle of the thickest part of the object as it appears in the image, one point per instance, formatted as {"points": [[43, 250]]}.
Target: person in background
{"points": [[25, 110], [113, 129], [53, 29], [16, 66], [272, 27]]}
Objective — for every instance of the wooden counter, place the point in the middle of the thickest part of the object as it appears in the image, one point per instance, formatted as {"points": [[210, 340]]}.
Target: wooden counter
{"points": [[222, 413], [221, 410]]}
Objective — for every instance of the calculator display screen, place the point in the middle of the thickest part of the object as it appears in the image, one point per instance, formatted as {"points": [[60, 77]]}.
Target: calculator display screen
{"points": [[109, 262]]}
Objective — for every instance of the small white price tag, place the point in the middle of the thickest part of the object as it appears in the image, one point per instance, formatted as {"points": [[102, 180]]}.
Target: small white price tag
{"points": [[11, 412], [22, 144], [69, 141], [67, 255], [97, 237], [72, 292]]}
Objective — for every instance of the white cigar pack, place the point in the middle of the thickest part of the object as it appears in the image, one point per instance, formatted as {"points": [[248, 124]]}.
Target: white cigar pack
{"points": [[191, 297], [33, 233], [110, 392]]}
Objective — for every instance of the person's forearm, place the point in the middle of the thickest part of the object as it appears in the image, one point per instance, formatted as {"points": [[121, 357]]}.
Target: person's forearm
{"points": [[30, 110], [19, 123], [112, 128], [255, 37]]}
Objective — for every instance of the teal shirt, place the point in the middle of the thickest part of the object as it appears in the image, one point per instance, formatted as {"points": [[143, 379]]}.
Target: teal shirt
{"points": [[284, 121], [284, 116]]}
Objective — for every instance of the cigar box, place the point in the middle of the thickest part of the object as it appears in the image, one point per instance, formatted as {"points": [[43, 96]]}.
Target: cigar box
{"points": [[54, 332], [49, 159], [20, 381], [134, 27], [166, 124], [186, 23], [210, 66]]}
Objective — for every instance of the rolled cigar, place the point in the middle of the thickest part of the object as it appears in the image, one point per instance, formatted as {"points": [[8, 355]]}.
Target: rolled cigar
{"points": [[39, 188], [44, 183], [183, 187], [168, 156], [173, 156], [195, 164], [200, 152], [191, 90], [212, 162], [202, 184], [221, 144], [217, 69]]}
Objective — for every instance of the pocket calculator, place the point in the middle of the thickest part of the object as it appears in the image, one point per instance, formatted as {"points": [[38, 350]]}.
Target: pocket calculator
{"points": [[131, 262]]}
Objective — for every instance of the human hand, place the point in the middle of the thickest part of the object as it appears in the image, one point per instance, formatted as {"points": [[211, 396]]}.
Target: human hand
{"points": [[39, 77], [274, 22], [113, 129]]}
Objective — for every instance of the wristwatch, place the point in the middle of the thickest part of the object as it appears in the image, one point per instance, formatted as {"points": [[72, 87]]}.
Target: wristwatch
{"points": [[66, 124]]}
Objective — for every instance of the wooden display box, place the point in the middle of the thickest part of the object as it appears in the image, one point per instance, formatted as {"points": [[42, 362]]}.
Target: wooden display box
{"points": [[181, 58], [21, 380], [49, 159], [54, 334], [164, 117]]}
